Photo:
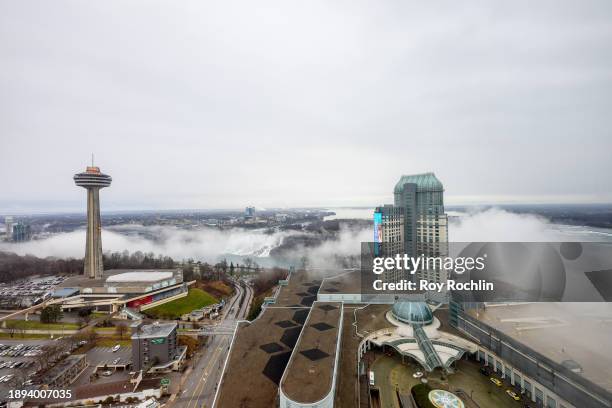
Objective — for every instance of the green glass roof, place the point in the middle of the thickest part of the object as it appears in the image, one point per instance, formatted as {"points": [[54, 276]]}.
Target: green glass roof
{"points": [[412, 312], [424, 182]]}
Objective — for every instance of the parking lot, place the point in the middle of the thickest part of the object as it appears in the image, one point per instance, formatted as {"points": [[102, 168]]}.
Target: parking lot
{"points": [[114, 362], [17, 361], [25, 293]]}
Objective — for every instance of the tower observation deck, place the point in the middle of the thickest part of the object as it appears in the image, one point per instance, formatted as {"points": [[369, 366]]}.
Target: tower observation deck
{"points": [[93, 180]]}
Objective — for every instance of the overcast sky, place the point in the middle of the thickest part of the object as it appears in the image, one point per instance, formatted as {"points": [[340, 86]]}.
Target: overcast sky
{"points": [[224, 104]]}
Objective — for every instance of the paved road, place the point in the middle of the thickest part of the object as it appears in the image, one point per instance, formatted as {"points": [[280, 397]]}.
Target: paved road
{"points": [[201, 383], [382, 368]]}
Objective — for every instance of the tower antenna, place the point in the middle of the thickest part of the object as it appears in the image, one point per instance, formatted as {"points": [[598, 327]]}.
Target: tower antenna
{"points": [[92, 160]]}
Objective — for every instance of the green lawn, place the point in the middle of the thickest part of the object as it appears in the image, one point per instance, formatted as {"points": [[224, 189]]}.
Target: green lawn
{"points": [[36, 325], [420, 393], [111, 342], [195, 299], [17, 336]]}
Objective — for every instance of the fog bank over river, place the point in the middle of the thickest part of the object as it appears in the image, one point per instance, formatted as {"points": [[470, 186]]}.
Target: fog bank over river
{"points": [[321, 247]]}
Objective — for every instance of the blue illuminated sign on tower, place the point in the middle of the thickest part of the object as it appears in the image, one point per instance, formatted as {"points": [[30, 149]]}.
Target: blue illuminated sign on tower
{"points": [[377, 232]]}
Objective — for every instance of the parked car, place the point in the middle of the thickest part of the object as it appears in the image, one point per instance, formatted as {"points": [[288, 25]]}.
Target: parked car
{"points": [[496, 381], [513, 395]]}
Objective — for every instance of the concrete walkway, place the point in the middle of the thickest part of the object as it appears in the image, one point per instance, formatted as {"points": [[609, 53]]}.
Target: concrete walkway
{"points": [[17, 333]]}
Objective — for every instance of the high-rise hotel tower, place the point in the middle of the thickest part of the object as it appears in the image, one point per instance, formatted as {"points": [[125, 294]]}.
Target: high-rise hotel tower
{"points": [[389, 237], [415, 225], [425, 223], [93, 180]]}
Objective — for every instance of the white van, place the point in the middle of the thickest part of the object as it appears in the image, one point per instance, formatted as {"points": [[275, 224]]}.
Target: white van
{"points": [[150, 403]]}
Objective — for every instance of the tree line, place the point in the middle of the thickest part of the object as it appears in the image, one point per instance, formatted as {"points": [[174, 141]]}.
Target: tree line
{"points": [[219, 271], [135, 260], [14, 267]]}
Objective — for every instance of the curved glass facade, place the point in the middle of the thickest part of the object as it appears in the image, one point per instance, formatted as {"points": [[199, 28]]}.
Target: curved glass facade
{"points": [[412, 313]]}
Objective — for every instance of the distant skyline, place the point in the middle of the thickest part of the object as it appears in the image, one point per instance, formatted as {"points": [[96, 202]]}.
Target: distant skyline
{"points": [[196, 105], [357, 212]]}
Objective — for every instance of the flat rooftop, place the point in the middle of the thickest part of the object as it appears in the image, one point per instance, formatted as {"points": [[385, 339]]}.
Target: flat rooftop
{"points": [[154, 330], [263, 348], [61, 367], [300, 292], [65, 292], [348, 282], [577, 332], [258, 358], [91, 391], [372, 318], [82, 281], [140, 276], [309, 374], [346, 391]]}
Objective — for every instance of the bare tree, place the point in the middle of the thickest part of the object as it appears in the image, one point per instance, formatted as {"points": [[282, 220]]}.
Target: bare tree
{"points": [[11, 327], [91, 335], [20, 376], [85, 318], [50, 353], [121, 329], [72, 342]]}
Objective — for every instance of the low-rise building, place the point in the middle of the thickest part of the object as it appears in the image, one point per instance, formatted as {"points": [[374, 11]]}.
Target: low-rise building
{"points": [[65, 372], [155, 348], [142, 281]]}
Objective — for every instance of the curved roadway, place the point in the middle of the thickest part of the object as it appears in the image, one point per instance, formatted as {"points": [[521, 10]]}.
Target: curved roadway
{"points": [[200, 386]]}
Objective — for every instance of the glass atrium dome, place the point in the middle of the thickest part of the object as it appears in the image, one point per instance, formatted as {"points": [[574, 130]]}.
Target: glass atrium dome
{"points": [[412, 313]]}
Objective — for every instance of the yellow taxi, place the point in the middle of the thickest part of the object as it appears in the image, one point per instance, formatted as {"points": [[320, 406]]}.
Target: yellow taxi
{"points": [[496, 381], [513, 395]]}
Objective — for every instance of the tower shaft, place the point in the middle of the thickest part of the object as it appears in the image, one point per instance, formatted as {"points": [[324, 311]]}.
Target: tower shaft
{"points": [[93, 245]]}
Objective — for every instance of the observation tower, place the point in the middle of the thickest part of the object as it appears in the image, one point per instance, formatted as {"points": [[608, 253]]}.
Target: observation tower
{"points": [[93, 180]]}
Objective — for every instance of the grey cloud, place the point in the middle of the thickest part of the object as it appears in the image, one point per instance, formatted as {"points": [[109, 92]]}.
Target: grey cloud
{"points": [[208, 105]]}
